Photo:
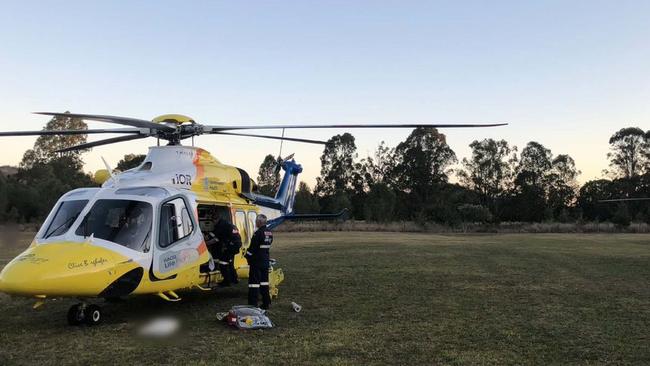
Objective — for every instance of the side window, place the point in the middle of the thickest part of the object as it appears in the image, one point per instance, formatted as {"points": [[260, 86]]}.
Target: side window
{"points": [[175, 222], [240, 222]]}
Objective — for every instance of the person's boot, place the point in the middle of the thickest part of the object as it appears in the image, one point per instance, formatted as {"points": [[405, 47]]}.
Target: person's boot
{"points": [[225, 273], [266, 297], [233, 275]]}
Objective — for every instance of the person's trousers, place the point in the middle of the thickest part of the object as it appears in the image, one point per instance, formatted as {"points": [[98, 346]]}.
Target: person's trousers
{"points": [[258, 283], [224, 268]]}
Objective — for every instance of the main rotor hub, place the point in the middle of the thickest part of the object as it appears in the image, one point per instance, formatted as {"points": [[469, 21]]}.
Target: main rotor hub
{"points": [[185, 127], [177, 119]]}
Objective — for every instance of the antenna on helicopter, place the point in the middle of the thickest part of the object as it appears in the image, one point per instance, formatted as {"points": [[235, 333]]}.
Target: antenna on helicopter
{"points": [[279, 160], [108, 167], [281, 142]]}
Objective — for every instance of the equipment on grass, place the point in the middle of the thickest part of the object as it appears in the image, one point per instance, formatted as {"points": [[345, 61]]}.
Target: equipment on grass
{"points": [[248, 317]]}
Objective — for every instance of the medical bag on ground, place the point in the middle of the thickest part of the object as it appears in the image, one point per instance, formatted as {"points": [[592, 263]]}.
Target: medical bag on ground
{"points": [[246, 317]]}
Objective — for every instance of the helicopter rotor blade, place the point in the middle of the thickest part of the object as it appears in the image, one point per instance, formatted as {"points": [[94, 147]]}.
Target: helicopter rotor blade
{"points": [[68, 132], [133, 122], [271, 137], [213, 129], [113, 140], [625, 199]]}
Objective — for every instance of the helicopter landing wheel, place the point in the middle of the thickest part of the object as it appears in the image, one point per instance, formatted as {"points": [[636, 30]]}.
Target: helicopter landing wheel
{"points": [[93, 315], [76, 314], [81, 313]]}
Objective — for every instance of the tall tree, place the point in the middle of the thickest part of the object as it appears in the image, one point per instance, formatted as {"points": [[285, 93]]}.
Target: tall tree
{"points": [[268, 177], [562, 185], [44, 175], [422, 161], [337, 165], [529, 201], [488, 171], [46, 146], [380, 166], [37, 188], [535, 162], [630, 151], [130, 161]]}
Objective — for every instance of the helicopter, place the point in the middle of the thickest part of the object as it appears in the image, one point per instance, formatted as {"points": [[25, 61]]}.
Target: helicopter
{"points": [[142, 231]]}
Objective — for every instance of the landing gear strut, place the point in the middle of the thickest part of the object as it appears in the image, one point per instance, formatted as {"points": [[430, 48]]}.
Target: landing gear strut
{"points": [[84, 313]]}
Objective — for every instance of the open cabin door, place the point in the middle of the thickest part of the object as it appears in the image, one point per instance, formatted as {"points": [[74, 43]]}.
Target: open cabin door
{"points": [[179, 238], [245, 221]]}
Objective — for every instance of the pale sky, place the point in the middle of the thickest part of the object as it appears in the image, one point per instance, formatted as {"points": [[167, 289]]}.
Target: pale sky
{"points": [[564, 73]]}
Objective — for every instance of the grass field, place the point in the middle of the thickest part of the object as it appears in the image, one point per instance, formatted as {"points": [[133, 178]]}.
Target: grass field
{"points": [[385, 298]]}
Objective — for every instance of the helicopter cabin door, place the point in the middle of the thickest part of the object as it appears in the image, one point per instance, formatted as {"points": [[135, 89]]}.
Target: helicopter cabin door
{"points": [[246, 231], [179, 238]]}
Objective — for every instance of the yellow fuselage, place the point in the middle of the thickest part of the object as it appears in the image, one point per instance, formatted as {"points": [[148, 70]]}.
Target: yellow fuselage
{"points": [[84, 266]]}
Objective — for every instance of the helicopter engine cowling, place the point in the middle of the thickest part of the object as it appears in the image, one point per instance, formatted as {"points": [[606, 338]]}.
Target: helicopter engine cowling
{"points": [[185, 167]]}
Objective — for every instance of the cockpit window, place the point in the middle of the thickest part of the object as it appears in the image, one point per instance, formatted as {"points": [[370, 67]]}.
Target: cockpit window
{"points": [[125, 222], [65, 215]]}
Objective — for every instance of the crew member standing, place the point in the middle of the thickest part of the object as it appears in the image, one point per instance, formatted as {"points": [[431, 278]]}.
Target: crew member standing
{"points": [[258, 264], [228, 244]]}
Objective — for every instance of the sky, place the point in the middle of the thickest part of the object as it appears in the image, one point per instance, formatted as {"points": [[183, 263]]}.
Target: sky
{"points": [[567, 74]]}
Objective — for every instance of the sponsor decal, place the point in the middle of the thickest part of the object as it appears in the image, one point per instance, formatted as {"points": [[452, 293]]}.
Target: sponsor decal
{"points": [[213, 184], [95, 262], [177, 259]]}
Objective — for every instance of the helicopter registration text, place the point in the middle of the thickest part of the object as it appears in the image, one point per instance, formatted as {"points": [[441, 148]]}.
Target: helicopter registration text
{"points": [[182, 179]]}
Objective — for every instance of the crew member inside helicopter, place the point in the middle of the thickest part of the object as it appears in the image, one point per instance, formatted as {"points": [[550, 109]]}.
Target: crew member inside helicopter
{"points": [[224, 243]]}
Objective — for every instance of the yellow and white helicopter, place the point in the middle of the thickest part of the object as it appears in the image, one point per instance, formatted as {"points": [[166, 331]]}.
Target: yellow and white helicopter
{"points": [[142, 231]]}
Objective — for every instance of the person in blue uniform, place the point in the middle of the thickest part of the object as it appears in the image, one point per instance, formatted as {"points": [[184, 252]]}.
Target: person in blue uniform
{"points": [[224, 242], [259, 263]]}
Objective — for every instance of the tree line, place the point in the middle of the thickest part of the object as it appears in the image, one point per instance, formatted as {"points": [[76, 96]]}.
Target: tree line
{"points": [[497, 183], [413, 181]]}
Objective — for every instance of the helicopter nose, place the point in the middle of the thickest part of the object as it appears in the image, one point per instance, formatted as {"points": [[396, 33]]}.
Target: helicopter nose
{"points": [[63, 269], [3, 288]]}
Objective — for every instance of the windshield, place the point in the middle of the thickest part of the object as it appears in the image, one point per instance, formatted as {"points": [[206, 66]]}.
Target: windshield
{"points": [[65, 215], [125, 222]]}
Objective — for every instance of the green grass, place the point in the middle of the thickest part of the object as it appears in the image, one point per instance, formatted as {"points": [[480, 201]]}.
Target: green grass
{"points": [[386, 298]]}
